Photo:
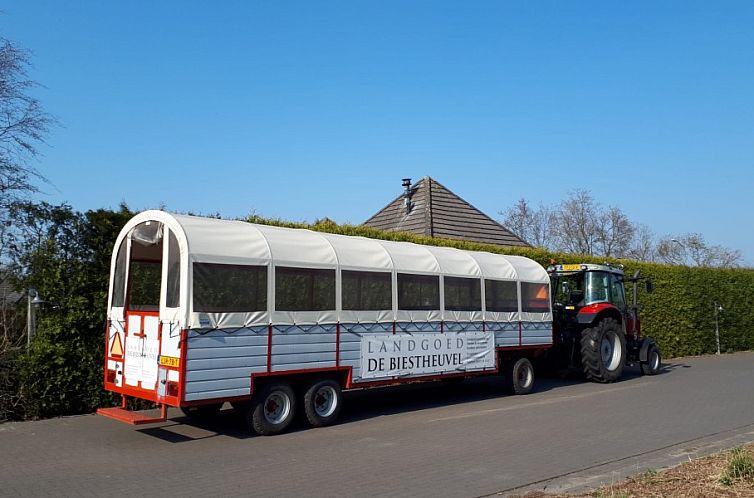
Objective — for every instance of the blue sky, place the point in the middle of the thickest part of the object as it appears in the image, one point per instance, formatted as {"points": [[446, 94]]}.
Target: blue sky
{"points": [[302, 110]]}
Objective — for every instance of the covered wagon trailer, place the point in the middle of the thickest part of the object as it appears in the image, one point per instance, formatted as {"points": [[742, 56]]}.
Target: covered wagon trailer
{"points": [[205, 311]]}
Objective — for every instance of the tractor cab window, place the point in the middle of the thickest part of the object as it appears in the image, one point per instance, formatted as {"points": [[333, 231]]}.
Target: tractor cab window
{"points": [[618, 296], [597, 287], [569, 288]]}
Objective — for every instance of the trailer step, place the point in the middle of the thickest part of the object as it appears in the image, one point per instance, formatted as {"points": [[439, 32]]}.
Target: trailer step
{"points": [[133, 418]]}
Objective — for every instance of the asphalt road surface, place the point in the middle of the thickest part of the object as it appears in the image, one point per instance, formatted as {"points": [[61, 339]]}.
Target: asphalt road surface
{"points": [[429, 440]]}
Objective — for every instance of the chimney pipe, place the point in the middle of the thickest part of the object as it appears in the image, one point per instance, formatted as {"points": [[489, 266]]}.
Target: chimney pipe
{"points": [[406, 184]]}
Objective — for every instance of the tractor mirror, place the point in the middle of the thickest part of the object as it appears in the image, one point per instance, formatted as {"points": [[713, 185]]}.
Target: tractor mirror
{"points": [[649, 287], [566, 288]]}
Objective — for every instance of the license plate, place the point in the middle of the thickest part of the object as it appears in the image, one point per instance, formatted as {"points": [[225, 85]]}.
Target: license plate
{"points": [[571, 267], [170, 361]]}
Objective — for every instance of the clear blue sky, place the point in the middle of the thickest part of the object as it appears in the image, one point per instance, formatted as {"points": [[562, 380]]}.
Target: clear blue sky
{"points": [[302, 110]]}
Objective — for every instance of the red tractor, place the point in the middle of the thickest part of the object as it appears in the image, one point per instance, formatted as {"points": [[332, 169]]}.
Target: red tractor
{"points": [[596, 330]]}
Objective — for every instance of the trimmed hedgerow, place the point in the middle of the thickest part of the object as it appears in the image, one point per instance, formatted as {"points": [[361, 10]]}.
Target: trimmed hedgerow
{"points": [[679, 314]]}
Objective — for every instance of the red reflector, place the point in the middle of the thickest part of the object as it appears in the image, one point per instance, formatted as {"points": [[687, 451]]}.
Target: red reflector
{"points": [[172, 389], [111, 376]]}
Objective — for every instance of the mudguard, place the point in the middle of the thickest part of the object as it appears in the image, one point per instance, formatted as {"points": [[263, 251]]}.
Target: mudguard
{"points": [[589, 313]]}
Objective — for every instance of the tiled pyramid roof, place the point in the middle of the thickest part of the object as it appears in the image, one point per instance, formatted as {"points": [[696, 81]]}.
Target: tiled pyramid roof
{"points": [[435, 211]]}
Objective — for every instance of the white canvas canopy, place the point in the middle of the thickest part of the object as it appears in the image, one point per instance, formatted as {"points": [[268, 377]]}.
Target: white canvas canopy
{"points": [[206, 240]]}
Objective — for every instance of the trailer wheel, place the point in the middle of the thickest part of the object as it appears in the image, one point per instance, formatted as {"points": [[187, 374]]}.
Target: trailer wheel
{"points": [[519, 376], [202, 413], [322, 402], [603, 351], [653, 363], [272, 410]]}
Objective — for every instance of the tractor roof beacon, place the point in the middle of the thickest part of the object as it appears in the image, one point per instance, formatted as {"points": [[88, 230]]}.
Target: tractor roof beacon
{"points": [[596, 330]]}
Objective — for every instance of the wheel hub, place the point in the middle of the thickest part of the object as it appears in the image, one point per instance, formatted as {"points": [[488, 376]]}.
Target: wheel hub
{"points": [[610, 351], [276, 408], [325, 401]]}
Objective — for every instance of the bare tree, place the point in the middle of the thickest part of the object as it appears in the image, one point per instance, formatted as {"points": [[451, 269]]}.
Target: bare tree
{"points": [[692, 249], [581, 225], [23, 127], [534, 226], [614, 232], [577, 218], [643, 247]]}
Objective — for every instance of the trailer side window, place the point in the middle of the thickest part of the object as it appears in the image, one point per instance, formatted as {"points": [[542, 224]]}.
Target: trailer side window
{"points": [[418, 292], [501, 296], [463, 294], [304, 289], [174, 273], [220, 288], [119, 279], [535, 298], [366, 290]]}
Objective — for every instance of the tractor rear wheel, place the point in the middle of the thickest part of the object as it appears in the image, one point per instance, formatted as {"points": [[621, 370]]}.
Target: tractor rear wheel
{"points": [[603, 351]]}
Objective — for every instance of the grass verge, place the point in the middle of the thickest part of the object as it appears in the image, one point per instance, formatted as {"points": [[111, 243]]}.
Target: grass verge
{"points": [[728, 474]]}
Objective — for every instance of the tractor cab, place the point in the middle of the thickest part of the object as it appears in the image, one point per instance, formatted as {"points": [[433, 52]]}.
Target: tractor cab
{"points": [[577, 286]]}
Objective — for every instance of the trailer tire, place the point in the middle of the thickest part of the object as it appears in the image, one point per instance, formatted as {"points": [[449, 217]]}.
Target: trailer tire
{"points": [[323, 399], [202, 413], [654, 362], [519, 376], [272, 410], [603, 351]]}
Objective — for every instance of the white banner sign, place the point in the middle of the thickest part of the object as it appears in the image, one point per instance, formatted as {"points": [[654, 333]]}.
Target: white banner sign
{"points": [[404, 355], [141, 361]]}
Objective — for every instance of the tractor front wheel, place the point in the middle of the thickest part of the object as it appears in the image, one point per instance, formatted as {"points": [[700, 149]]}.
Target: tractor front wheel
{"points": [[653, 363], [603, 351]]}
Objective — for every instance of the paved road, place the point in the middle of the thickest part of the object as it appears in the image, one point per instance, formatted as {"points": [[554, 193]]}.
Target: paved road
{"points": [[411, 441]]}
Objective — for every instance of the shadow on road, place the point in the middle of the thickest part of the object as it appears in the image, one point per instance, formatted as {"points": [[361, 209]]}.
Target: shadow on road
{"points": [[369, 403]]}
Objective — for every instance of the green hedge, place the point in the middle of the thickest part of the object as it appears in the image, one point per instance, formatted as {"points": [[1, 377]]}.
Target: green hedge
{"points": [[679, 314]]}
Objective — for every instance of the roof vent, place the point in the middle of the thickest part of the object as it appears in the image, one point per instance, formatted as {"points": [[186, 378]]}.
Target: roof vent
{"points": [[406, 184]]}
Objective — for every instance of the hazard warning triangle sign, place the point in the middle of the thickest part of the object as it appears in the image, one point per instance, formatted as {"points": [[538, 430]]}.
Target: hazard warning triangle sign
{"points": [[116, 347]]}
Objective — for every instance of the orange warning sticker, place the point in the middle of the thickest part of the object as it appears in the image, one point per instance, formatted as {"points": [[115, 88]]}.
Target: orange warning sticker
{"points": [[116, 347], [542, 293]]}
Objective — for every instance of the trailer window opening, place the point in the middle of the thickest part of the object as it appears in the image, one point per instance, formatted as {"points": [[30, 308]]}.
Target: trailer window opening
{"points": [[535, 298], [119, 278], [223, 288], [172, 299], [501, 296], [463, 294], [366, 290], [144, 293], [418, 292], [304, 289]]}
